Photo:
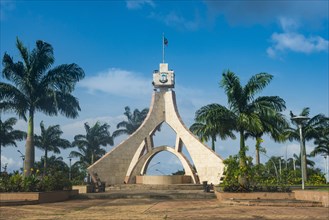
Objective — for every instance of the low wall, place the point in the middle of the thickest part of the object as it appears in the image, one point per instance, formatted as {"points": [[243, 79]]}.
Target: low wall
{"points": [[254, 195], [164, 180], [313, 195], [83, 188], [41, 197]]}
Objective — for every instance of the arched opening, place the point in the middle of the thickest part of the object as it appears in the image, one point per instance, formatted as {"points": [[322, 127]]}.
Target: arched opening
{"points": [[164, 163], [165, 136]]}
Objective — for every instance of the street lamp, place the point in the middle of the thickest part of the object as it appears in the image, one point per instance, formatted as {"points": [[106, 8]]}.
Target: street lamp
{"points": [[160, 171], [299, 121], [23, 158]]}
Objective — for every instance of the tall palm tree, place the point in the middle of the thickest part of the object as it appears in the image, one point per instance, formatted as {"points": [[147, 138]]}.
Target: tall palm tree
{"points": [[8, 135], [244, 111], [207, 128], [310, 130], [134, 120], [35, 87], [322, 142], [50, 140], [273, 124], [89, 145]]}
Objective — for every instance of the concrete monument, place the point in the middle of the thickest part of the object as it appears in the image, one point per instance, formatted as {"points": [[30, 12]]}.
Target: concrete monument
{"points": [[128, 162]]}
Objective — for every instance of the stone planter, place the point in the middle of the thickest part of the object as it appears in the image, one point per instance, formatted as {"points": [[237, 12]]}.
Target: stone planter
{"points": [[37, 197], [83, 188], [255, 195], [313, 195]]}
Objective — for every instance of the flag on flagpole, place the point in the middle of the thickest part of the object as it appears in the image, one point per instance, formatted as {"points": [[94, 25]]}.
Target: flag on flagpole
{"points": [[165, 41]]}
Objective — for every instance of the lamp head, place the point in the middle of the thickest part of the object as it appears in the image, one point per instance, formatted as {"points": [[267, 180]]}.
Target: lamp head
{"points": [[299, 119]]}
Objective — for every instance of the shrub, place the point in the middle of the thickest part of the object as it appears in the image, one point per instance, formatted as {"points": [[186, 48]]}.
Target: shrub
{"points": [[34, 182]]}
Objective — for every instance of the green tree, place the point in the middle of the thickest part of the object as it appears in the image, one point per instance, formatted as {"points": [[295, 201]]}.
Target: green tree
{"points": [[134, 120], [35, 87], [273, 124], [245, 110], [55, 164], [298, 161], [311, 130], [8, 135], [50, 140], [89, 145], [322, 142], [209, 125]]}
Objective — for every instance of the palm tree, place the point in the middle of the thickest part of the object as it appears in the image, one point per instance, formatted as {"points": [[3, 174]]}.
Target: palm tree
{"points": [[322, 142], [244, 111], [89, 145], [206, 128], [311, 130], [35, 87], [298, 161], [9, 136], [55, 164], [134, 120], [50, 140], [273, 123]]}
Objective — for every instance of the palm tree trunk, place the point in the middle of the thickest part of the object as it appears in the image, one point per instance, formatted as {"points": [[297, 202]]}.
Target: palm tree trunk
{"points": [[0, 142], [242, 179], [0, 155], [304, 161], [29, 147], [45, 163], [213, 143], [258, 141]]}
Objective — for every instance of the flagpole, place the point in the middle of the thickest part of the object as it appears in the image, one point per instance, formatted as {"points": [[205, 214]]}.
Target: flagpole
{"points": [[163, 55]]}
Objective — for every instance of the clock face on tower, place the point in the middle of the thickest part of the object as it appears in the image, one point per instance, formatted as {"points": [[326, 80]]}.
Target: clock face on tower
{"points": [[164, 77]]}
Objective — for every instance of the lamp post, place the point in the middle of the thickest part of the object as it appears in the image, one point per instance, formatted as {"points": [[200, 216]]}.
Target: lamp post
{"points": [[70, 169], [326, 167], [299, 121], [23, 158], [280, 168]]}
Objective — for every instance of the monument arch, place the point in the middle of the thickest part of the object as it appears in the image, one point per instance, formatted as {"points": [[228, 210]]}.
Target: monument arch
{"points": [[127, 160]]}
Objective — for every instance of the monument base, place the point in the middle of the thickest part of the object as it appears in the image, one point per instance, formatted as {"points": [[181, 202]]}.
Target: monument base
{"points": [[163, 180]]}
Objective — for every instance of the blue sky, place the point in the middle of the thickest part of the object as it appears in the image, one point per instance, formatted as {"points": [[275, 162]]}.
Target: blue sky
{"points": [[119, 44]]}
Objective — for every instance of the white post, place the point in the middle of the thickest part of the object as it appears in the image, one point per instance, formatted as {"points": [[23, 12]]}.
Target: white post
{"points": [[326, 168], [163, 54], [302, 155]]}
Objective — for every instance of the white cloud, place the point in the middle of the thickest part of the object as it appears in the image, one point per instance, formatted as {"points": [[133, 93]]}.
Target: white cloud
{"points": [[72, 129], [288, 24], [10, 163], [172, 19], [249, 12], [118, 82], [6, 6], [138, 4], [290, 40]]}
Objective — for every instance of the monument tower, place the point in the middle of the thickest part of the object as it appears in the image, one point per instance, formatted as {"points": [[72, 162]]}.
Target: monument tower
{"points": [[128, 162]]}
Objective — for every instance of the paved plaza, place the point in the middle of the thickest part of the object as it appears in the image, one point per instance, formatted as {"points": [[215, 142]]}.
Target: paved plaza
{"points": [[156, 209]]}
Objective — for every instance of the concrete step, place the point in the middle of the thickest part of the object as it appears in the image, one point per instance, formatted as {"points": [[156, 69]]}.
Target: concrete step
{"points": [[272, 202], [129, 187], [154, 194]]}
